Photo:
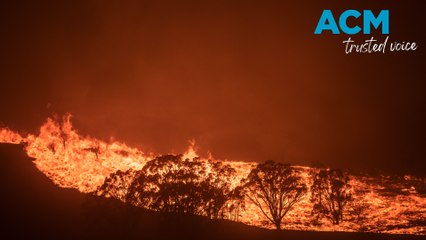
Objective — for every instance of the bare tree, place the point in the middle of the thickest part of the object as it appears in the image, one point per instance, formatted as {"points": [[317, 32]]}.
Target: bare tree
{"points": [[330, 194], [274, 188]]}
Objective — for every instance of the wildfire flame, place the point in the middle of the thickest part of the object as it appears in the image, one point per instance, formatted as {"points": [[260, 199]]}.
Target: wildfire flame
{"points": [[8, 136], [73, 161]]}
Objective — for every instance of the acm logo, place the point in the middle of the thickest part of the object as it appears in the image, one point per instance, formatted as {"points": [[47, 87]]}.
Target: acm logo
{"points": [[327, 22]]}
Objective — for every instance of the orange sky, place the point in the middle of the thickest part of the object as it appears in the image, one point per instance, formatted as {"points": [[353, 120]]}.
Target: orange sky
{"points": [[247, 81]]}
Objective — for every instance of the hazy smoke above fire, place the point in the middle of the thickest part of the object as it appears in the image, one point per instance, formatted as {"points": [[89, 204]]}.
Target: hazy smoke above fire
{"points": [[243, 81]]}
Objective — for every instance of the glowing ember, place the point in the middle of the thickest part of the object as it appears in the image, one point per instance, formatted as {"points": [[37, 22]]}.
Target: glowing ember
{"points": [[73, 161]]}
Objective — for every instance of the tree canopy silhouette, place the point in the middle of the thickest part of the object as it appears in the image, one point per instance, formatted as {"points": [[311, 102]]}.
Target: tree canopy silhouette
{"points": [[330, 194], [217, 189], [274, 188], [174, 184], [116, 185]]}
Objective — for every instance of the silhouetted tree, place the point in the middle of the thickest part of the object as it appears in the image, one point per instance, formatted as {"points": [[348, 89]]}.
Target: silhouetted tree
{"points": [[216, 188], [168, 184], [116, 185], [330, 194], [358, 210], [234, 204], [358, 207], [173, 184], [274, 188]]}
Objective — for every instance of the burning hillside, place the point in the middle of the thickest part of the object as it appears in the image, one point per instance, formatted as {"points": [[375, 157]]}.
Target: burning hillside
{"points": [[383, 203]]}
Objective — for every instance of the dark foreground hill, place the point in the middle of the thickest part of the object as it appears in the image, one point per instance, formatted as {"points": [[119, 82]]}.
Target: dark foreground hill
{"points": [[32, 207]]}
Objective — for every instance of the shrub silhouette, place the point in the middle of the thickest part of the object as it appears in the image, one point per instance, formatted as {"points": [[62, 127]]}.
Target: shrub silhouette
{"points": [[274, 188]]}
